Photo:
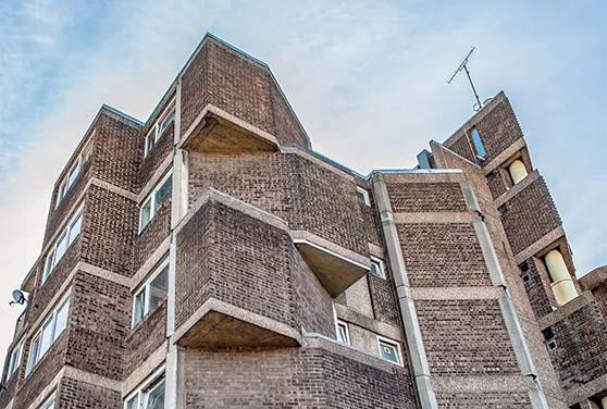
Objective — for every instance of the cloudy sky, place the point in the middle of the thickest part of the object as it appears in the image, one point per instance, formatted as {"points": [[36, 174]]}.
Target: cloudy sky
{"points": [[367, 79]]}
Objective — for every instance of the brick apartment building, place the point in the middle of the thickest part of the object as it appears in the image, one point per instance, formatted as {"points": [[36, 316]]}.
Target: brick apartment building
{"points": [[209, 258]]}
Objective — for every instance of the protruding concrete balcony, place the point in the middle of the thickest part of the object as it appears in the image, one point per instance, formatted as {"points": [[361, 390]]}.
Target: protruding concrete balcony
{"points": [[216, 131], [233, 277], [337, 268]]}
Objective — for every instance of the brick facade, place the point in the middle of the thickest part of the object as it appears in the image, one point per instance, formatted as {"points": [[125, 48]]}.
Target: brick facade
{"points": [[268, 232]]}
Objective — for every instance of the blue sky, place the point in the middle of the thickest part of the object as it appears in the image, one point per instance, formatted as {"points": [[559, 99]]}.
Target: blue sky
{"points": [[367, 79]]}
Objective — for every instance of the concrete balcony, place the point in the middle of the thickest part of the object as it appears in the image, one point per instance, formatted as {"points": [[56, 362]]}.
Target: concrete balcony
{"points": [[216, 131]]}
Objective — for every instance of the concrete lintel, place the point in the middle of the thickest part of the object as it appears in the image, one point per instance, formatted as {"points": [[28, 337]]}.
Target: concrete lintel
{"points": [[456, 293], [539, 245], [103, 273], [347, 314], [376, 251], [516, 189], [504, 156], [91, 378], [113, 188], [564, 311], [435, 217], [482, 383]]}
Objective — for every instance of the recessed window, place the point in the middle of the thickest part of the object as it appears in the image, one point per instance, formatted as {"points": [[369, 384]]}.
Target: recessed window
{"points": [[343, 335], [152, 292], [15, 359], [389, 350], [156, 131], [63, 242], [152, 202], [363, 196], [378, 268], [148, 396], [549, 339], [49, 403], [68, 180], [48, 334], [477, 143]]}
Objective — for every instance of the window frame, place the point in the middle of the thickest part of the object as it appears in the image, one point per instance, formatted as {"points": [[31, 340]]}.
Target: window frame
{"points": [[49, 403], [474, 144], [50, 259], [390, 342], [382, 265], [65, 184], [366, 198], [35, 355], [145, 288], [151, 196], [344, 324], [142, 391], [157, 129], [15, 360]]}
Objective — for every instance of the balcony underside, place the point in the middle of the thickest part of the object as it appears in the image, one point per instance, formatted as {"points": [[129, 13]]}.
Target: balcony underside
{"points": [[336, 268], [219, 132]]}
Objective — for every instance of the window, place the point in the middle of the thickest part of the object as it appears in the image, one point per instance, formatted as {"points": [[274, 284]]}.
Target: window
{"points": [[363, 196], [343, 335], [152, 202], [156, 131], [148, 396], [152, 292], [477, 142], [49, 404], [378, 268], [15, 359], [389, 350], [46, 337], [67, 237], [69, 179], [549, 339]]}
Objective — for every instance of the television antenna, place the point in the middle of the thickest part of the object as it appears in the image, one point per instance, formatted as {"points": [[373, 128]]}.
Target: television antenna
{"points": [[463, 66]]}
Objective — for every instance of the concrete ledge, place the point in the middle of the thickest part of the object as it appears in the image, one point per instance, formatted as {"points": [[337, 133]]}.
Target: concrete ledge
{"points": [[376, 251], [435, 217], [592, 388], [162, 169], [516, 189], [103, 273], [336, 267], [539, 245], [504, 155], [113, 188], [152, 260], [378, 327], [91, 378], [217, 324], [564, 311], [456, 293], [482, 383]]}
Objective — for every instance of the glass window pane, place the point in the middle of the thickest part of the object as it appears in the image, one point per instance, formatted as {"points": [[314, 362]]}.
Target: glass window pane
{"points": [[75, 228], [139, 312], [46, 339], [477, 142], [159, 287], [376, 269], [61, 319], [166, 122], [133, 403], [48, 267], [164, 191], [146, 212], [61, 247], [342, 334], [34, 352], [155, 398], [73, 175], [389, 352]]}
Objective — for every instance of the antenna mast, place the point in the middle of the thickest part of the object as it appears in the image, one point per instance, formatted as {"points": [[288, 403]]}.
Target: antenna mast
{"points": [[464, 66]]}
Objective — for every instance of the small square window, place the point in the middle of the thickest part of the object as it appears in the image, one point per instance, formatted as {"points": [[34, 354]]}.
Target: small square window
{"points": [[549, 339], [343, 335], [363, 196], [389, 351], [378, 268]]}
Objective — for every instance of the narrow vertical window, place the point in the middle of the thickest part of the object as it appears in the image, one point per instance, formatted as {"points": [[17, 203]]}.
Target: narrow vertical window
{"points": [[363, 196], [154, 200], [477, 142], [378, 268], [152, 292], [343, 335]]}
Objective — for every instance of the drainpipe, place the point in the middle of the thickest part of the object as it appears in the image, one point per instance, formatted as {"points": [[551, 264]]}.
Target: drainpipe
{"points": [[413, 335]]}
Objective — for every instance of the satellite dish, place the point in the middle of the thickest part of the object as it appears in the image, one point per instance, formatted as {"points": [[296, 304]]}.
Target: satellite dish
{"points": [[18, 298]]}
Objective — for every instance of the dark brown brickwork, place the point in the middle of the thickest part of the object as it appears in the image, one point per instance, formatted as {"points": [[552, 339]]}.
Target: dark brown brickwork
{"points": [[536, 288], [462, 147], [496, 183], [75, 394], [442, 255], [384, 299], [152, 236], [501, 400], [529, 216], [426, 197], [145, 338], [465, 337]]}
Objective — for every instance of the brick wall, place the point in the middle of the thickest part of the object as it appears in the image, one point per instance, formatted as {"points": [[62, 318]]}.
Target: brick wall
{"points": [[152, 236], [145, 338], [426, 197], [501, 400], [534, 285], [76, 394], [529, 216]]}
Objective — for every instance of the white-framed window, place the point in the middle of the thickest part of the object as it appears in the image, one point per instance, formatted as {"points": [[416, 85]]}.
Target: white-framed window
{"points": [[15, 359], [389, 350], [151, 293], [343, 334], [49, 403], [52, 327], [70, 177], [63, 242], [378, 267], [363, 196], [152, 202], [150, 395], [156, 131]]}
